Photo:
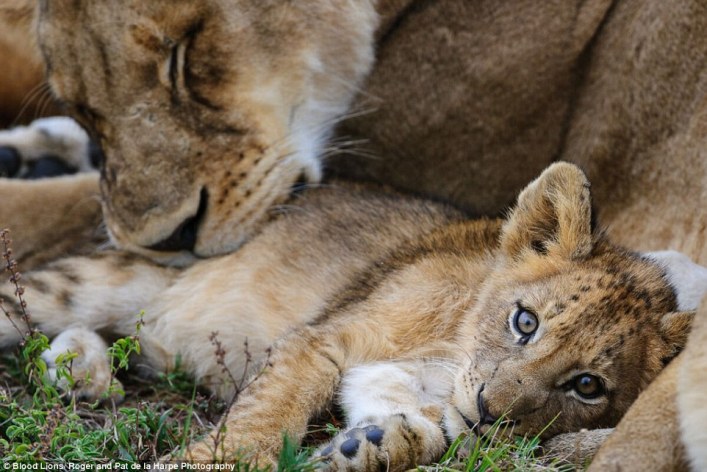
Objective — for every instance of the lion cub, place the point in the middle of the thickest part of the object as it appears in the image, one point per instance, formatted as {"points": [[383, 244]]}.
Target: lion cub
{"points": [[422, 323]]}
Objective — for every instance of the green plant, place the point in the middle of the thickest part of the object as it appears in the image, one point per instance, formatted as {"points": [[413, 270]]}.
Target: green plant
{"points": [[37, 422]]}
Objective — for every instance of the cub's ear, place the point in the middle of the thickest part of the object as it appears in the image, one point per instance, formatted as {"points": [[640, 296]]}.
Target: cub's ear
{"points": [[553, 216], [674, 330]]}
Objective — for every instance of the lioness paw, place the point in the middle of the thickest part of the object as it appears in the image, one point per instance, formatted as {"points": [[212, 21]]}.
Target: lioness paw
{"points": [[48, 147], [78, 363]]}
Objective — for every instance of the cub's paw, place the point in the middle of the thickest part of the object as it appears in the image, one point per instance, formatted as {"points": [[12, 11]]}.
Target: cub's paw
{"points": [[397, 442], [78, 363], [48, 147], [359, 449]]}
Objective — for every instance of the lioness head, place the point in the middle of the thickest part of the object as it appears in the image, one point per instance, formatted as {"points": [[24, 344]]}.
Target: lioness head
{"points": [[568, 329], [208, 111]]}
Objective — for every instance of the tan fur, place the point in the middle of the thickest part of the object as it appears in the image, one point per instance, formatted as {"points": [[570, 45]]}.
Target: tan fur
{"points": [[692, 393], [318, 353], [348, 278], [654, 434], [189, 110], [465, 110], [51, 218], [647, 439]]}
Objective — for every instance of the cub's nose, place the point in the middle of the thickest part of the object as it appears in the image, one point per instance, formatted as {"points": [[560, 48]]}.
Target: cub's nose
{"points": [[485, 417], [183, 238]]}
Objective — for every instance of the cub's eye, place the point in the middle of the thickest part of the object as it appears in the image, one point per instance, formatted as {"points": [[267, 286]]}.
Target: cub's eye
{"points": [[587, 386], [525, 322]]}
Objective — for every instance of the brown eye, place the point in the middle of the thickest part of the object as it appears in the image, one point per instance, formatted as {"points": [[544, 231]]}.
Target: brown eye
{"points": [[588, 386], [525, 322]]}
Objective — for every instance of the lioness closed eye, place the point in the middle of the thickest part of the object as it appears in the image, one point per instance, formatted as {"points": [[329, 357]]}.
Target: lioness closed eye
{"points": [[423, 323]]}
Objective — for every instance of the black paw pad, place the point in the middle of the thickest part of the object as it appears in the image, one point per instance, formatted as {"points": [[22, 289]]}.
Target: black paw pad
{"points": [[48, 166], [354, 433], [374, 435], [327, 451], [10, 161], [349, 448]]}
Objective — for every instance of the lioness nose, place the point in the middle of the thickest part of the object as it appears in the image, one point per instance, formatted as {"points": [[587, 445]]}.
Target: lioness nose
{"points": [[485, 417], [183, 238]]}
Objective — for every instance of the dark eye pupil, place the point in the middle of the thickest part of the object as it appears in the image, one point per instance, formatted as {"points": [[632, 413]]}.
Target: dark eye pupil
{"points": [[526, 322], [588, 385]]}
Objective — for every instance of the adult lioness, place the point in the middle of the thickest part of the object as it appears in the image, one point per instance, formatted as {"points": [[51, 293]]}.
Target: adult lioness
{"points": [[538, 316], [209, 112], [619, 88]]}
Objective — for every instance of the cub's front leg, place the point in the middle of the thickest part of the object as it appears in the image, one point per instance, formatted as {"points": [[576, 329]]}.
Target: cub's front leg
{"points": [[302, 378], [394, 416]]}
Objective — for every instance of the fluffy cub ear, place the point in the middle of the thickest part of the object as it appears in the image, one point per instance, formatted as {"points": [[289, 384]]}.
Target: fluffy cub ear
{"points": [[553, 216], [674, 329]]}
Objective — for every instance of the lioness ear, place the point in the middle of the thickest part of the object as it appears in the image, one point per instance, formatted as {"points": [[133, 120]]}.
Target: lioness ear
{"points": [[674, 330], [553, 214]]}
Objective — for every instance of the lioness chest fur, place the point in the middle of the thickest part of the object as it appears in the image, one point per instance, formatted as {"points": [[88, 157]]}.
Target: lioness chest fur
{"points": [[537, 317]]}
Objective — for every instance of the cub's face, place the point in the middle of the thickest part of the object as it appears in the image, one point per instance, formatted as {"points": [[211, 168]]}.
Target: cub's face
{"points": [[567, 329], [566, 345], [207, 111]]}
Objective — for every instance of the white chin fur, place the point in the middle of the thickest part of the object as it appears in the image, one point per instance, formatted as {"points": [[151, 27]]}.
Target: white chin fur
{"points": [[454, 424], [308, 150]]}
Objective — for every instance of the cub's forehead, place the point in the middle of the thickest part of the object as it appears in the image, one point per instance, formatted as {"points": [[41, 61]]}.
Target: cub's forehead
{"points": [[597, 313], [604, 292]]}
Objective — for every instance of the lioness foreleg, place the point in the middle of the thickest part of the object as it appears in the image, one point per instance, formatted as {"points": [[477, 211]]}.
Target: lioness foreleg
{"points": [[51, 218], [87, 363], [83, 295]]}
